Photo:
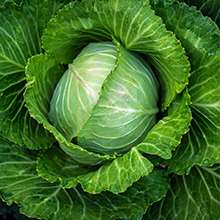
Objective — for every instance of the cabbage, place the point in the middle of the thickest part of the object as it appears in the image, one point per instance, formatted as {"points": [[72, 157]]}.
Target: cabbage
{"points": [[110, 109], [106, 111]]}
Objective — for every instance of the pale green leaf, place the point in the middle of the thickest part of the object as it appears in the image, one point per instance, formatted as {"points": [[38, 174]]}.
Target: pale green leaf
{"points": [[126, 109], [118, 175], [79, 88], [166, 135]]}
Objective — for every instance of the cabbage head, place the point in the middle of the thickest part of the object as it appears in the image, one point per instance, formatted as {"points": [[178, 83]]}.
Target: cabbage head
{"points": [[110, 109]]}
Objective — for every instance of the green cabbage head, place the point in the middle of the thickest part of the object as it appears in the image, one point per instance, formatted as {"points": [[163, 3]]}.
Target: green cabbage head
{"points": [[108, 107], [104, 100]]}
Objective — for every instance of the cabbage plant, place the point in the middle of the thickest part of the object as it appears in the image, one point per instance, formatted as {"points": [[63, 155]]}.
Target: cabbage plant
{"points": [[110, 109]]}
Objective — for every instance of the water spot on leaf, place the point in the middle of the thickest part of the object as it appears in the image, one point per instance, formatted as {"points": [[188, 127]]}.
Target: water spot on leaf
{"points": [[71, 4], [188, 24], [9, 202], [66, 8], [86, 10], [181, 5], [192, 9], [211, 54], [167, 3], [95, 8], [206, 162], [31, 8], [18, 30], [145, 4]]}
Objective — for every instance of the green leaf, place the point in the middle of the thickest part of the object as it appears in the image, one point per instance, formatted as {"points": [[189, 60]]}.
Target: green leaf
{"points": [[130, 22], [41, 199], [21, 29], [118, 175], [53, 164], [202, 42], [126, 109], [38, 97], [115, 176], [11, 212], [210, 8], [166, 135], [44, 82], [199, 147], [190, 197], [79, 88]]}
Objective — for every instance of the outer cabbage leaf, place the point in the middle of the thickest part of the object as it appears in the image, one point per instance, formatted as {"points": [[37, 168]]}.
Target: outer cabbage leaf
{"points": [[3, 2], [190, 197], [21, 28], [201, 39], [210, 8], [54, 164], [41, 199], [131, 22], [166, 135], [118, 175], [115, 176]]}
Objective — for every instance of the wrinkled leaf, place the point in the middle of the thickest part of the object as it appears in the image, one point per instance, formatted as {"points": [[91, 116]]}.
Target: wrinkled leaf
{"points": [[190, 197], [138, 30], [202, 42], [39, 198], [166, 135], [21, 29]]}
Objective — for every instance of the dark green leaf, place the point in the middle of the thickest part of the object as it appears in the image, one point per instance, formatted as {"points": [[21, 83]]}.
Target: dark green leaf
{"points": [[39, 198], [21, 29], [190, 197], [54, 164], [201, 39], [210, 8]]}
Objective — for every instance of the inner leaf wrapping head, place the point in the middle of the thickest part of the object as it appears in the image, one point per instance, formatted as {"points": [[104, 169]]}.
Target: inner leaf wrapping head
{"points": [[106, 99]]}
